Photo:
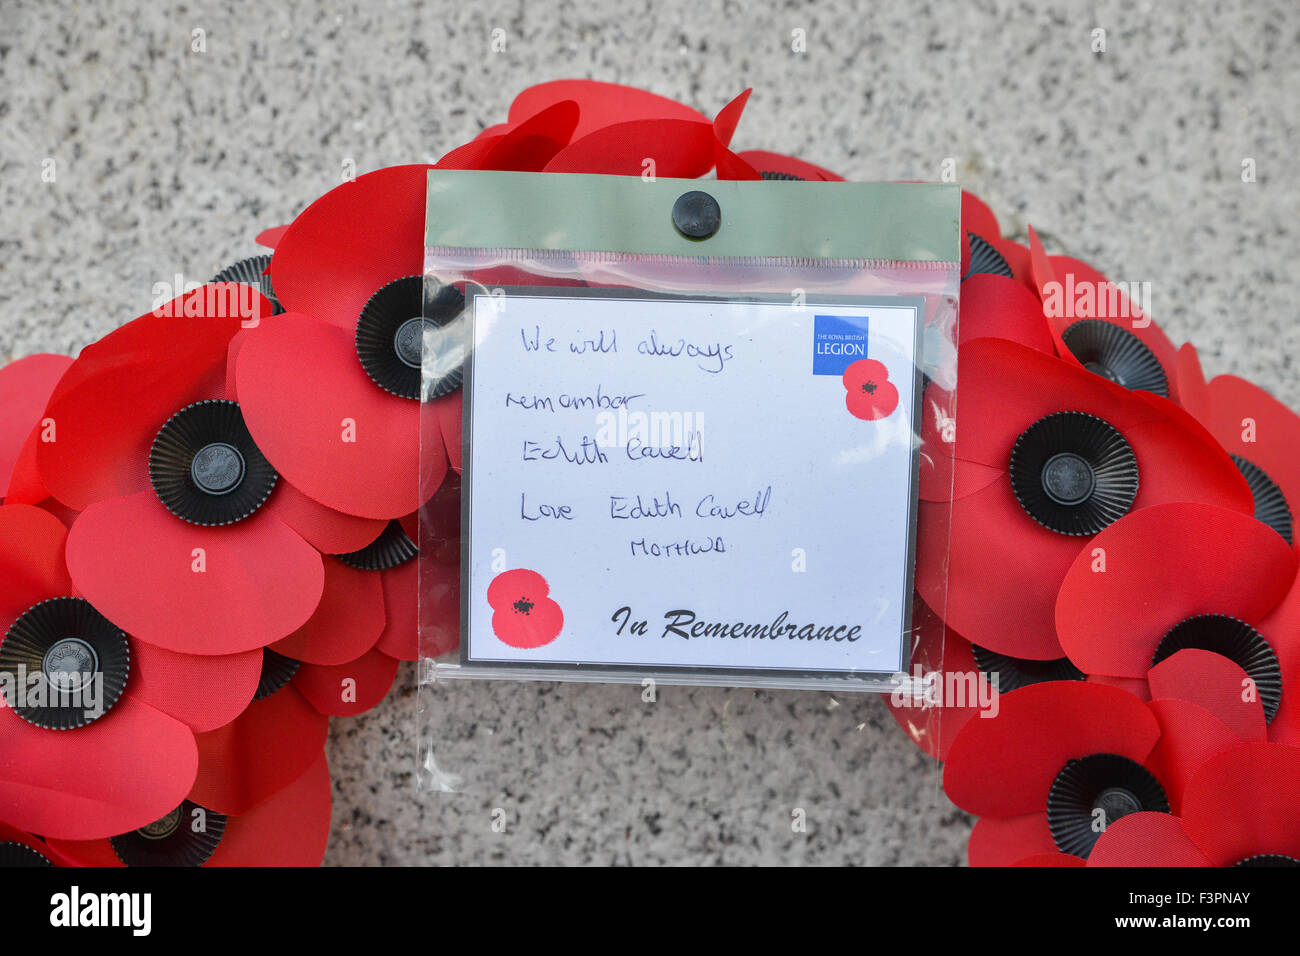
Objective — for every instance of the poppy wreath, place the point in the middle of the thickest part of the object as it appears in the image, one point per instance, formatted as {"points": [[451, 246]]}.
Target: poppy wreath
{"points": [[184, 531]]}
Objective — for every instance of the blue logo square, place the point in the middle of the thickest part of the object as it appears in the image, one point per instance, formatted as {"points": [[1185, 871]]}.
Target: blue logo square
{"points": [[838, 342]]}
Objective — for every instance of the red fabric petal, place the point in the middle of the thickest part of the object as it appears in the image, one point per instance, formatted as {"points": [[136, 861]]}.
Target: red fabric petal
{"points": [[1017, 257], [767, 162], [326, 530], [401, 614], [997, 570], [1193, 392], [1146, 839], [346, 623], [203, 692], [1005, 766], [678, 148], [25, 387], [126, 769], [326, 427], [1251, 423], [728, 118], [1213, 682], [1042, 277], [977, 217], [1134, 685], [943, 477], [731, 166], [31, 560], [1125, 314], [345, 690], [25, 484], [1245, 802], [270, 238], [112, 400], [527, 147], [1165, 564], [601, 104], [1282, 631], [137, 564], [351, 242], [290, 828], [995, 306], [1189, 736], [1005, 387], [273, 743], [1001, 841]]}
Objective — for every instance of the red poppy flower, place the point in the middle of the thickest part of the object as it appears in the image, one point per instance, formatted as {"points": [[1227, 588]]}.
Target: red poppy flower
{"points": [[869, 392], [523, 614], [1062, 761], [25, 387], [289, 828], [1046, 455], [186, 538], [1095, 323], [1260, 433], [347, 436], [90, 742], [1240, 808], [1172, 593]]}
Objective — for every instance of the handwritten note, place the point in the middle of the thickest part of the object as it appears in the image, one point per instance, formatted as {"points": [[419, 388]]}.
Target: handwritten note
{"points": [[674, 483]]}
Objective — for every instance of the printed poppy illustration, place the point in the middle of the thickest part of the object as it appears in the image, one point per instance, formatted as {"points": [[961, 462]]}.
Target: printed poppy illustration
{"points": [[524, 615], [1059, 758], [1240, 808], [1046, 454], [870, 393]]}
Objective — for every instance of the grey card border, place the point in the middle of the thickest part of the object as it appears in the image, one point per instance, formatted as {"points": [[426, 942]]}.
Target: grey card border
{"points": [[777, 678]]}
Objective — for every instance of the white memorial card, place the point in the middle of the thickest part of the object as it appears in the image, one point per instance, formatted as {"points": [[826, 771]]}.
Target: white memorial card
{"points": [[689, 484]]}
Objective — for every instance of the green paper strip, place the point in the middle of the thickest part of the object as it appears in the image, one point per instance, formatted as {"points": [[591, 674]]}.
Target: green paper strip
{"points": [[478, 209]]}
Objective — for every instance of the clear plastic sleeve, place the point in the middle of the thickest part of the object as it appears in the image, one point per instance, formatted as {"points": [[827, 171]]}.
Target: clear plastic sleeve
{"points": [[673, 459]]}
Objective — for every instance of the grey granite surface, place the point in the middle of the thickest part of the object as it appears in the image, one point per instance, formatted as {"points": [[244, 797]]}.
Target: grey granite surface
{"points": [[169, 160]]}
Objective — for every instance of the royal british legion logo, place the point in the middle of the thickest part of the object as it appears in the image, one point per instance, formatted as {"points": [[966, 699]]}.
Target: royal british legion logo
{"points": [[838, 342]]}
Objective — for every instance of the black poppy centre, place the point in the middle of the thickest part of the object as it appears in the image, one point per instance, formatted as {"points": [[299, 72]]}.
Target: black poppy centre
{"points": [[1238, 642], [188, 836], [985, 259], [1271, 506], [1116, 354], [63, 664], [205, 467], [1015, 672], [1073, 473], [411, 330], [1091, 793]]}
